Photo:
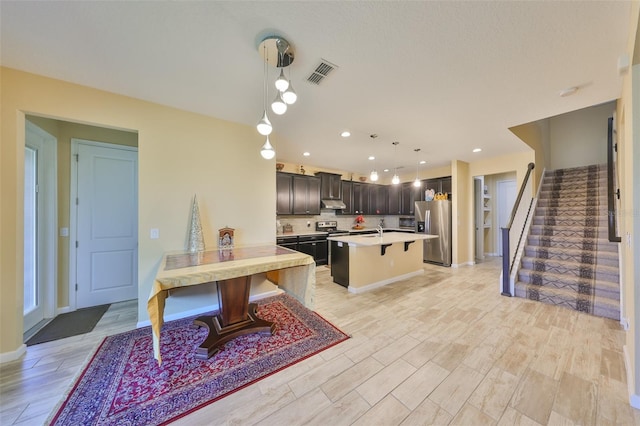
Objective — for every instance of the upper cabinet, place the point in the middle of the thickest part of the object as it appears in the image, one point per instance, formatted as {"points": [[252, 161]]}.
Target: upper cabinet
{"points": [[284, 196], [330, 186], [410, 194], [442, 184], [347, 196], [306, 195], [379, 199], [395, 200]]}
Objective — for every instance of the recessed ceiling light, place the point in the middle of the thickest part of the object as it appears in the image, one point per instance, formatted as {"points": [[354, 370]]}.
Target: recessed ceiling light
{"points": [[345, 134], [385, 170], [371, 157], [422, 162], [477, 150], [306, 154]]}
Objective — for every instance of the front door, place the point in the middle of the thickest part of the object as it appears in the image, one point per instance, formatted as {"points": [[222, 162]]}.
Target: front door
{"points": [[107, 224]]}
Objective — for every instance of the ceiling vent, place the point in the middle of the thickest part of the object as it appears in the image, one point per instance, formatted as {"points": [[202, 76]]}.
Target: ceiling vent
{"points": [[321, 72]]}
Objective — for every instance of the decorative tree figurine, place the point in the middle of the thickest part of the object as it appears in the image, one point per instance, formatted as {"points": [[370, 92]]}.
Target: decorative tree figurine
{"points": [[196, 240]]}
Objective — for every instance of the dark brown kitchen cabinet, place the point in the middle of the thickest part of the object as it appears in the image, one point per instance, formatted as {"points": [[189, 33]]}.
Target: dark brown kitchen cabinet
{"points": [[410, 194], [442, 184], [330, 186], [395, 199], [284, 204], [306, 195], [378, 199], [347, 196], [361, 193]]}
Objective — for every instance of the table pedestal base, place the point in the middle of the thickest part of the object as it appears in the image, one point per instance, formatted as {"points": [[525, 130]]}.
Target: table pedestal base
{"points": [[219, 335]]}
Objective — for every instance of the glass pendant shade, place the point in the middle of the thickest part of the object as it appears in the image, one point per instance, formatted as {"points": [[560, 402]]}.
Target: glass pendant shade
{"points": [[282, 83], [264, 125], [289, 96], [395, 179], [267, 150], [278, 105], [416, 183], [373, 176]]}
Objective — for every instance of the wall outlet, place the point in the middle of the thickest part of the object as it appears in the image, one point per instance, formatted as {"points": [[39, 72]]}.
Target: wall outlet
{"points": [[64, 232], [308, 223], [154, 234]]}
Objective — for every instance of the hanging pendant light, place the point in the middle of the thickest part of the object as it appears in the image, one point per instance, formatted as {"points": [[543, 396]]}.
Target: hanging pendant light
{"points": [[278, 105], [282, 83], [289, 95], [264, 125], [373, 176], [267, 150], [395, 179], [417, 182]]}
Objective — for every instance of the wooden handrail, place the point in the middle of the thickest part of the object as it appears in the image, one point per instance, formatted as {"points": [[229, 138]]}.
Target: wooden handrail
{"points": [[611, 204], [506, 261]]}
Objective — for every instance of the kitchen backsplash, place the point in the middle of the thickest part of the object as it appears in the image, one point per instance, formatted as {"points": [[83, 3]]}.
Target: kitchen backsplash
{"points": [[345, 222]]}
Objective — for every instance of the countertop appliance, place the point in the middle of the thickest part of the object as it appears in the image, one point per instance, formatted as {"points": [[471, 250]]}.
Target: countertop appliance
{"points": [[434, 217], [407, 222], [330, 227]]}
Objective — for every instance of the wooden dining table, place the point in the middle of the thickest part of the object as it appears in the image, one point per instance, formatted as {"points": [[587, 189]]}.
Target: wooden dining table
{"points": [[231, 269]]}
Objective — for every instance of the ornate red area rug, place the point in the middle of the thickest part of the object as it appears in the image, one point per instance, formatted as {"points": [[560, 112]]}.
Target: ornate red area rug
{"points": [[123, 384]]}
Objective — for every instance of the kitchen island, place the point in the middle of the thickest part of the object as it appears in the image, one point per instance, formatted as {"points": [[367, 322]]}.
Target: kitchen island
{"points": [[365, 262]]}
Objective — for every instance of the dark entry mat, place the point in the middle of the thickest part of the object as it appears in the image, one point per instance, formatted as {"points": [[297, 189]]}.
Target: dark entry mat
{"points": [[71, 324]]}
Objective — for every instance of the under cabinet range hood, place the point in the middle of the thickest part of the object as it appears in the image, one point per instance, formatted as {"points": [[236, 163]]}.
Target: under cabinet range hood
{"points": [[333, 204]]}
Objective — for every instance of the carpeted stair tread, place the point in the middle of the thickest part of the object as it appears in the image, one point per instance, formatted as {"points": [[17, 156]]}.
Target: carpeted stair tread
{"points": [[604, 289], [602, 244], [609, 258], [594, 305], [569, 268], [593, 221], [569, 231]]}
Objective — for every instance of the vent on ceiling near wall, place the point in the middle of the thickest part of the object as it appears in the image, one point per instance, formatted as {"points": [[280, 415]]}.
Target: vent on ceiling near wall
{"points": [[321, 71]]}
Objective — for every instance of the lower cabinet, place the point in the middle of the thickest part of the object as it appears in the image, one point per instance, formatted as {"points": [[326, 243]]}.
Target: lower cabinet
{"points": [[315, 246]]}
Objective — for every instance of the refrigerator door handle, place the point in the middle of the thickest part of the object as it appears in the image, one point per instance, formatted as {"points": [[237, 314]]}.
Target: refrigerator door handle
{"points": [[427, 222]]}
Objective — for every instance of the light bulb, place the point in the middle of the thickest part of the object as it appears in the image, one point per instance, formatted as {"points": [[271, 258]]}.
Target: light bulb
{"points": [[395, 179], [282, 83], [373, 176], [267, 150], [289, 96], [278, 105], [416, 183], [264, 125]]}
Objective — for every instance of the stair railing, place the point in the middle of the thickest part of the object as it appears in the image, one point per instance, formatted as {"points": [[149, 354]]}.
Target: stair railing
{"points": [[515, 230], [611, 190]]}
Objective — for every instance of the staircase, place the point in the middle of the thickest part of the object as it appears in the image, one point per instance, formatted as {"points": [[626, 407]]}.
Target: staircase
{"points": [[568, 259]]}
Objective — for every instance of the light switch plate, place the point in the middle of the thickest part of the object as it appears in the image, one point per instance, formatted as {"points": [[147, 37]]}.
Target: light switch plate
{"points": [[155, 233], [64, 232]]}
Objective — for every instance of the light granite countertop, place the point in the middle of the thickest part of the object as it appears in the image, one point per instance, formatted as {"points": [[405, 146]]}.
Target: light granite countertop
{"points": [[368, 240]]}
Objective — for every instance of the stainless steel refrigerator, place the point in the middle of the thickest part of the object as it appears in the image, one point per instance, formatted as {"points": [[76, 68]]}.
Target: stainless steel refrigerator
{"points": [[434, 217]]}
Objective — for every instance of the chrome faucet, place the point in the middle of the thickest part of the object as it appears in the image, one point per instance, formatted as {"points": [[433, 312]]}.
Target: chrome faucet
{"points": [[379, 229]]}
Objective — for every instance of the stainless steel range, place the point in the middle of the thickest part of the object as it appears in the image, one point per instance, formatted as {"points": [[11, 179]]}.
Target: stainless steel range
{"points": [[330, 227]]}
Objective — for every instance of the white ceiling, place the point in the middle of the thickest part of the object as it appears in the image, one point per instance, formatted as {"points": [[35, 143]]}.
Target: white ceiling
{"points": [[444, 77]]}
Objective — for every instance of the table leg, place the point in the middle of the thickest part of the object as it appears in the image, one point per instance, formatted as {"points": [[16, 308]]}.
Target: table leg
{"points": [[236, 318]]}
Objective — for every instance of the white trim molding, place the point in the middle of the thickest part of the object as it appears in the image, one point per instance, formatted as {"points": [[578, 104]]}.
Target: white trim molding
{"points": [[14, 355]]}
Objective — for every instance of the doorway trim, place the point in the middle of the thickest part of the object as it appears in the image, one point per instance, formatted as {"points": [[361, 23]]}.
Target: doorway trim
{"points": [[73, 211], [47, 263], [500, 214]]}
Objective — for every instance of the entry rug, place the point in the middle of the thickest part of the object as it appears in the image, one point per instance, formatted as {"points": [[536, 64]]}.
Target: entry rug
{"points": [[123, 383]]}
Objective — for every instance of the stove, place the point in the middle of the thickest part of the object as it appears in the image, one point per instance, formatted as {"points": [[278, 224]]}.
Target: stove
{"points": [[331, 227]]}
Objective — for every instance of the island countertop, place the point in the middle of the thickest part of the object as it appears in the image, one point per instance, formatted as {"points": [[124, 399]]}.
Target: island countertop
{"points": [[375, 240]]}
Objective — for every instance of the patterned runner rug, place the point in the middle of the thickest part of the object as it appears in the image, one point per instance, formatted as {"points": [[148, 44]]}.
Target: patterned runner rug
{"points": [[123, 384], [568, 258]]}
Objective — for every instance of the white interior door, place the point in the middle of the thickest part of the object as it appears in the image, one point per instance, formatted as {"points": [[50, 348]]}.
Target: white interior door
{"points": [[107, 224], [39, 226], [506, 198], [478, 190]]}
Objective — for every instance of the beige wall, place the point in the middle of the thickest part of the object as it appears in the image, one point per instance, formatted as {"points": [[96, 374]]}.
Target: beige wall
{"points": [[462, 214], [180, 154], [537, 136], [64, 131], [579, 138]]}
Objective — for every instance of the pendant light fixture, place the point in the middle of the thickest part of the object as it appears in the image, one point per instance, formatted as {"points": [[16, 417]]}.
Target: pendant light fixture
{"points": [[264, 125], [267, 150], [374, 173], [395, 179], [417, 182], [282, 83], [278, 105], [289, 95]]}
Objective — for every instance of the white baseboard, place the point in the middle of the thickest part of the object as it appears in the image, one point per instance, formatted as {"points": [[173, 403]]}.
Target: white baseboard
{"points": [[458, 265], [377, 284], [12, 356], [63, 310], [634, 400], [208, 308]]}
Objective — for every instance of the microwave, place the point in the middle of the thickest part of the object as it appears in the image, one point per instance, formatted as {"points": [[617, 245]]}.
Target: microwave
{"points": [[408, 222]]}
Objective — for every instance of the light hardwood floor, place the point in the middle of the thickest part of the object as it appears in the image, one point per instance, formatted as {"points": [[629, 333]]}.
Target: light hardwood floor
{"points": [[442, 348]]}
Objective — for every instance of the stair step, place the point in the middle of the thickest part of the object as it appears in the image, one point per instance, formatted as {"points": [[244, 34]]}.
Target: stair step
{"points": [[574, 203], [570, 231], [577, 285], [579, 243], [598, 211], [600, 168], [569, 269], [583, 186], [595, 305], [571, 195], [557, 220], [608, 258]]}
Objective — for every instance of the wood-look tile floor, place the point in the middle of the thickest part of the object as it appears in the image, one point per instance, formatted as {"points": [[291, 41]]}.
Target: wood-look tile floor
{"points": [[442, 348]]}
